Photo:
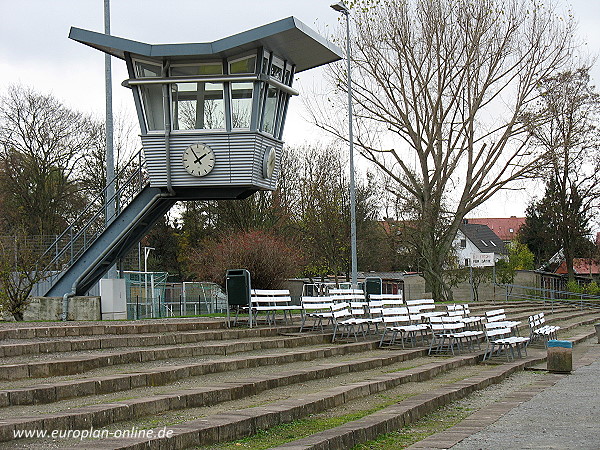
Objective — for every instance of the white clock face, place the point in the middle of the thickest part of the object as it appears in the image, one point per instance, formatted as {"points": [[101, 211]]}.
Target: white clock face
{"points": [[269, 162], [198, 160]]}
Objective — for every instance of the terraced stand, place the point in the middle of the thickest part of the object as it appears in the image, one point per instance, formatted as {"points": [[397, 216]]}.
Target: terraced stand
{"points": [[207, 384]]}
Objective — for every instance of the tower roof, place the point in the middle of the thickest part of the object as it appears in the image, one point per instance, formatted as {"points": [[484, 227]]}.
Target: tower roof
{"points": [[289, 38]]}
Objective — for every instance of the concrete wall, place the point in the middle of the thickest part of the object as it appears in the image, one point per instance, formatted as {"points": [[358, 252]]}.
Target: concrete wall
{"points": [[414, 287], [50, 308], [489, 292]]}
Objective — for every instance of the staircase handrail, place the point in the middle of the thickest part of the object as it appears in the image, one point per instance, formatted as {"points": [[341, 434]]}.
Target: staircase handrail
{"points": [[137, 174]]}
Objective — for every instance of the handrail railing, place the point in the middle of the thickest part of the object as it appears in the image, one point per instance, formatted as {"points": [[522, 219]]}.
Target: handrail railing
{"points": [[552, 296], [93, 220]]}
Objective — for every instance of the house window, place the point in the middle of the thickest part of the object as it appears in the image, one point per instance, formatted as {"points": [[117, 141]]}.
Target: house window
{"points": [[463, 243], [467, 262], [483, 242]]}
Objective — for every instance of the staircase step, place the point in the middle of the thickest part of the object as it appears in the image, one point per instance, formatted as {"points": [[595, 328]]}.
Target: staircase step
{"points": [[52, 392], [80, 364], [313, 361]]}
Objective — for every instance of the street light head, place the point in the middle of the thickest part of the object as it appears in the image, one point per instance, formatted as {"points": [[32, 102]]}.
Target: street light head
{"points": [[341, 7]]}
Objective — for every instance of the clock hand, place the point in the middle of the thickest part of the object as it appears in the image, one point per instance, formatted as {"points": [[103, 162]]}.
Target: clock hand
{"points": [[200, 158], [194, 153]]}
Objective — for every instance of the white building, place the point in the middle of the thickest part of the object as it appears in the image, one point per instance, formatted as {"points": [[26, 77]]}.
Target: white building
{"points": [[475, 238]]}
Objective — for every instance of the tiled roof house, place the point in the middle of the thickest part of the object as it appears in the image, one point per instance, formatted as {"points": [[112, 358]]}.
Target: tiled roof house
{"points": [[476, 238], [505, 227]]}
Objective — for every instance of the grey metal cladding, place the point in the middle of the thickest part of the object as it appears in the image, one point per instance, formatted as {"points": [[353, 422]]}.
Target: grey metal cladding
{"points": [[289, 38], [238, 157]]}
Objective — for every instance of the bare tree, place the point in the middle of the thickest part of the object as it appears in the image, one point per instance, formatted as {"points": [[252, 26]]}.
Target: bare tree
{"points": [[18, 275], [41, 144], [91, 169], [440, 88], [569, 109]]}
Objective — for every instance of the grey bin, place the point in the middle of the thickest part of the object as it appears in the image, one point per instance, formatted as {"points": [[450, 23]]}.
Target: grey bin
{"points": [[237, 285], [373, 285]]}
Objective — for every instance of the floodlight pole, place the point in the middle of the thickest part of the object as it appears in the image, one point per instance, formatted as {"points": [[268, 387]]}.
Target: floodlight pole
{"points": [[341, 7], [110, 163]]}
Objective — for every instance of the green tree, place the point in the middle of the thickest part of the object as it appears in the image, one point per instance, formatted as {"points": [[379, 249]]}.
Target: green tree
{"points": [[545, 231], [519, 258]]}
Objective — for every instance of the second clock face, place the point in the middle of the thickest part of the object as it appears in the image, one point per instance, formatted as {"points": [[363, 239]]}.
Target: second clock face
{"points": [[269, 162], [198, 160]]}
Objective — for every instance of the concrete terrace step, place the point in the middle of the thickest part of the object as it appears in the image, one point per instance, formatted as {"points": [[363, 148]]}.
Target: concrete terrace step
{"points": [[228, 426], [80, 364], [212, 390], [100, 415], [60, 329], [408, 411], [70, 343], [52, 392]]}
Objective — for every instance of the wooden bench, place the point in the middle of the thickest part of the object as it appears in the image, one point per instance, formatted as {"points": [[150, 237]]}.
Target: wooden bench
{"points": [[399, 323], [338, 292], [379, 301], [502, 340], [271, 302], [538, 329], [348, 319], [424, 308], [497, 319], [462, 310], [318, 309]]}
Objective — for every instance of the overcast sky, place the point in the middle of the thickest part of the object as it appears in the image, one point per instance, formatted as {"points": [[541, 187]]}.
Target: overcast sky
{"points": [[35, 49]]}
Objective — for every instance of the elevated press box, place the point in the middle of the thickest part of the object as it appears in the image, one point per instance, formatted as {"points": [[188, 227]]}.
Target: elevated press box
{"points": [[212, 114]]}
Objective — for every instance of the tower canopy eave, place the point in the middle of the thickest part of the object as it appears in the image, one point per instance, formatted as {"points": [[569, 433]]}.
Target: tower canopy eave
{"points": [[289, 38]]}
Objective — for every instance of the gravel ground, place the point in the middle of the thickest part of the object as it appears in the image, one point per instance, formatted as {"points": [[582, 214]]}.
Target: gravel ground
{"points": [[565, 415]]}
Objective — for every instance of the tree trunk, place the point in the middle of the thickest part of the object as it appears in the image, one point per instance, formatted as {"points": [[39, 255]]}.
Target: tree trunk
{"points": [[568, 250], [433, 270]]}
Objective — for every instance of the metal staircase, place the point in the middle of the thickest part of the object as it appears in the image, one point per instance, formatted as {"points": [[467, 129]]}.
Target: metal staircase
{"points": [[85, 251]]}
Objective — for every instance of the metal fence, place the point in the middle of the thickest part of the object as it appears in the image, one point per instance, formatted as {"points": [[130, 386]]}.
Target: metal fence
{"points": [[179, 300]]}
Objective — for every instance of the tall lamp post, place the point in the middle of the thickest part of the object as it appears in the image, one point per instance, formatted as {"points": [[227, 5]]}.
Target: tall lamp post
{"points": [[341, 7], [110, 163]]}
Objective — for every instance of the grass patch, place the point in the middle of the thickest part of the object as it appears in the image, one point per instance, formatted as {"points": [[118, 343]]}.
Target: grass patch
{"points": [[435, 422], [298, 429]]}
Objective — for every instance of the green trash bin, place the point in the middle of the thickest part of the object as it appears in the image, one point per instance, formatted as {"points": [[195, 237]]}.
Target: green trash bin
{"points": [[373, 285], [237, 285]]}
